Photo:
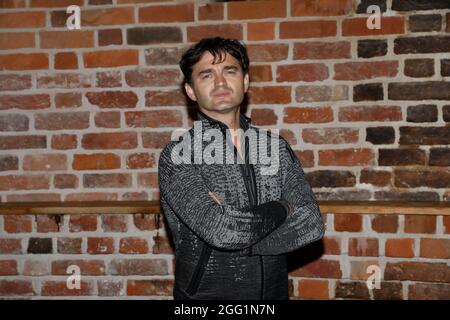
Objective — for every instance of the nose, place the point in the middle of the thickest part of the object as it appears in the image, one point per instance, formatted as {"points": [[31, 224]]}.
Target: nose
{"points": [[220, 80]]}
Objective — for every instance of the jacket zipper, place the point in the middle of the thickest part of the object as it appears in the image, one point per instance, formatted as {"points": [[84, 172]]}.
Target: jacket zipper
{"points": [[199, 270]]}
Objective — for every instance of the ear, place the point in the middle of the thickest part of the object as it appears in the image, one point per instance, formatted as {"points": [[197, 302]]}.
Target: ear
{"points": [[190, 92], [246, 82]]}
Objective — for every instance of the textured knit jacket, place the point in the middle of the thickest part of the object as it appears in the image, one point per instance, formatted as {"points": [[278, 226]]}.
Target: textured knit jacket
{"points": [[235, 249]]}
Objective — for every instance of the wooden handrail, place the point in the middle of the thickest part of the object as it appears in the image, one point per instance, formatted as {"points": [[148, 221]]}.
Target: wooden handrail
{"points": [[153, 207]]}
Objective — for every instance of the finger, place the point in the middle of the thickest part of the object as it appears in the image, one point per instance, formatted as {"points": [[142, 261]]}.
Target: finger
{"points": [[212, 195]]}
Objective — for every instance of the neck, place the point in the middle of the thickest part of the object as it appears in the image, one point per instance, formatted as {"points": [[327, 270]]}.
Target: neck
{"points": [[230, 119]]}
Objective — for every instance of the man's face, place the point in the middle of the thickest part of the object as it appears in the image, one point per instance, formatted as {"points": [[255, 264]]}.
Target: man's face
{"points": [[217, 87]]}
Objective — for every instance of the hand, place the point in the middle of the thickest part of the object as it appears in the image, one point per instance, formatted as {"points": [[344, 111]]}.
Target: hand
{"points": [[214, 197]]}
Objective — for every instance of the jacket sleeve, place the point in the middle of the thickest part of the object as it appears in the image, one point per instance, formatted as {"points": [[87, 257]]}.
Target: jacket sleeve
{"points": [[304, 224], [222, 226]]}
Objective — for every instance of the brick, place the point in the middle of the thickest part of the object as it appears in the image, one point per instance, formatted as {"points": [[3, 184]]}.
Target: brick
{"points": [[346, 157], [308, 115], [59, 288], [100, 2], [162, 245], [406, 196], [289, 136], [154, 119], [417, 271], [25, 102], [141, 161], [109, 79], [145, 222], [36, 268], [16, 288], [98, 161], [425, 23], [100, 245], [173, 13], [365, 70], [64, 81], [435, 248], [420, 224], [308, 72], [113, 99], [87, 267], [83, 222], [14, 82], [372, 48], [424, 135], [40, 246], [154, 35], [439, 157], [24, 61], [60, 40], [445, 67], [165, 98], [16, 40], [8, 268], [155, 140], [428, 291], [307, 29], [368, 92], [68, 100], [148, 179], [111, 58], [48, 223], [330, 178], [53, 4], [422, 113], [409, 5], [154, 287], [114, 223], [109, 288], [419, 178], [322, 8], [107, 180], [358, 26], [321, 93], [107, 119], [133, 245], [163, 56], [375, 177], [269, 95], [446, 113], [109, 37], [370, 113], [10, 246], [108, 16], [419, 68], [313, 289], [306, 158], [428, 44], [112, 140], [332, 245], [364, 4], [34, 197], [9, 162], [69, 245], [348, 222], [344, 195], [259, 31], [363, 247], [267, 52], [61, 121], [17, 224], [263, 117], [389, 291], [352, 290], [24, 182], [32, 19], [65, 181], [12, 4], [64, 141], [260, 73], [210, 11], [322, 50], [359, 270], [152, 77], [385, 223], [45, 162], [401, 157], [320, 268], [92, 196], [13, 122], [445, 221], [403, 248], [252, 10], [196, 33], [330, 135], [428, 90]]}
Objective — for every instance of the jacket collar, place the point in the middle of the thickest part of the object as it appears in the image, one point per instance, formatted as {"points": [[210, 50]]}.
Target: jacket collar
{"points": [[244, 121]]}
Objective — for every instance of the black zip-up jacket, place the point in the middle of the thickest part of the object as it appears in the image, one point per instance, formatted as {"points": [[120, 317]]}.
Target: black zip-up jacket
{"points": [[235, 249]]}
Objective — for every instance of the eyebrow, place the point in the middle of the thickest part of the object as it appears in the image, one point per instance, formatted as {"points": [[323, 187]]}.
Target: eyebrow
{"points": [[229, 67]]}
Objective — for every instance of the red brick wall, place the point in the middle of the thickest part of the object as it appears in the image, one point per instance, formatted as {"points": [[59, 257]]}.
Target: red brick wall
{"points": [[84, 115]]}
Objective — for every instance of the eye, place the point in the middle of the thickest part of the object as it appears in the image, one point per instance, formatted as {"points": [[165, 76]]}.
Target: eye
{"points": [[205, 75], [231, 71]]}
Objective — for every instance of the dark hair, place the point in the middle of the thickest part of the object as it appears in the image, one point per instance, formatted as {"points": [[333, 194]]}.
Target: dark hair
{"points": [[217, 47]]}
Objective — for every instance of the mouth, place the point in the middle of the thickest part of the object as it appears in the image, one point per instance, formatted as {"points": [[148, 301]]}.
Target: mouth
{"points": [[220, 94]]}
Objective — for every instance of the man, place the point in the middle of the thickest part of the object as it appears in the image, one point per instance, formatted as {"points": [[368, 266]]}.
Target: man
{"points": [[231, 223]]}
